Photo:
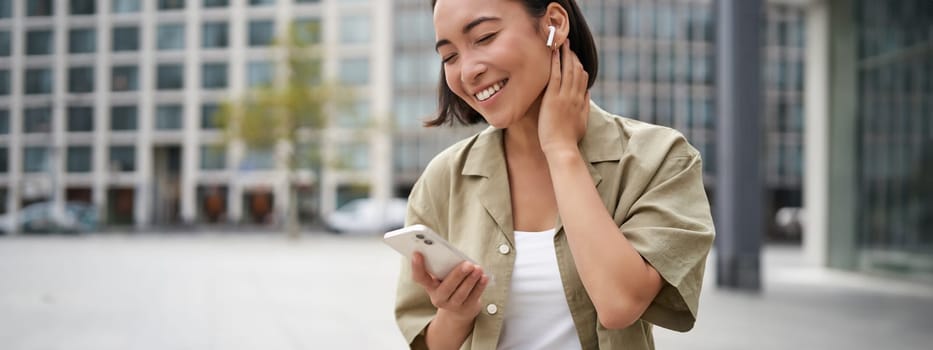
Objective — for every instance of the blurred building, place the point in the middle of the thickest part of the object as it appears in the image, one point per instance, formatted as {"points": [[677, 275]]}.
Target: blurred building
{"points": [[113, 102], [657, 64], [869, 197]]}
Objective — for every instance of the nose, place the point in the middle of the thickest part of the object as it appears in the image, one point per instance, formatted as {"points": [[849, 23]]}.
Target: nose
{"points": [[471, 69]]}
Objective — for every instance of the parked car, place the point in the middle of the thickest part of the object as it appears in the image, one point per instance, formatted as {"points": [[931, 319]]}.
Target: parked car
{"points": [[76, 217], [364, 216]]}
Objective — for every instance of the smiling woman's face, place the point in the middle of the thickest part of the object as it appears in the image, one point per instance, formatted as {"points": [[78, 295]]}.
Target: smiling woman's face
{"points": [[495, 57]]}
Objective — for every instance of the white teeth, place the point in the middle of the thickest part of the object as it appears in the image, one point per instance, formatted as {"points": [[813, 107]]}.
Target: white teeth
{"points": [[486, 94]]}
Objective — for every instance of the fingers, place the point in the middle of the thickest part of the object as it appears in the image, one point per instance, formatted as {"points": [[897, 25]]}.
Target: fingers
{"points": [[452, 281], [466, 288], [568, 69], [554, 83], [420, 275]]}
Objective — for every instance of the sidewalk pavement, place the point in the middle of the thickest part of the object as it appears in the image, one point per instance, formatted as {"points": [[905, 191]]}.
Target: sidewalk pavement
{"points": [[262, 291]]}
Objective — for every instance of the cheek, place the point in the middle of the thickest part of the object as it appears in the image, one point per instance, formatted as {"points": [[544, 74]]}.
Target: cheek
{"points": [[452, 77]]}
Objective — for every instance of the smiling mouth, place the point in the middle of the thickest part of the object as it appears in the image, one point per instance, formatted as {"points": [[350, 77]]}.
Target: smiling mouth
{"points": [[490, 91]]}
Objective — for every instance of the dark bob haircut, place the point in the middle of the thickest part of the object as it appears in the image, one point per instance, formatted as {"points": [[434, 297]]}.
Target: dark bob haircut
{"points": [[451, 108]]}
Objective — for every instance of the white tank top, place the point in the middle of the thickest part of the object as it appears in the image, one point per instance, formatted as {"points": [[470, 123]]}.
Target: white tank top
{"points": [[537, 315]]}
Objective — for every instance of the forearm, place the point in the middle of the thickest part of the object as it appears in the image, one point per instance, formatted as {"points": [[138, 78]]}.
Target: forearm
{"points": [[447, 332], [607, 262]]}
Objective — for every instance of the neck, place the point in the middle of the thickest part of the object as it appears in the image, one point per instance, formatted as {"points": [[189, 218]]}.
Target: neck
{"points": [[522, 137]]}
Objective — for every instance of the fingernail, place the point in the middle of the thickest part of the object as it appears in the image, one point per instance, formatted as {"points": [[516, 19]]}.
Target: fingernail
{"points": [[467, 268]]}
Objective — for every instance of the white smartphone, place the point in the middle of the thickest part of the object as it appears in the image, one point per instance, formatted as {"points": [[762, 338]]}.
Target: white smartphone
{"points": [[440, 257]]}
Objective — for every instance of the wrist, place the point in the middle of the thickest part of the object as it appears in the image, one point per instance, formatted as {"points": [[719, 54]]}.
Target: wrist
{"points": [[452, 318], [562, 154]]}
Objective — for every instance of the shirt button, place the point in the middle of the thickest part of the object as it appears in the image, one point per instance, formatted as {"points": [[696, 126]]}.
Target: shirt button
{"points": [[504, 248], [492, 309]]}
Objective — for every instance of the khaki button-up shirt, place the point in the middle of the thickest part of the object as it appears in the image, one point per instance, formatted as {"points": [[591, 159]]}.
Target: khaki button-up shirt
{"points": [[651, 183]]}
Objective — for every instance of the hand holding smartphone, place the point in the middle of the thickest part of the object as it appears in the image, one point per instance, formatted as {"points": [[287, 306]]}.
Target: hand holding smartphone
{"points": [[440, 257]]}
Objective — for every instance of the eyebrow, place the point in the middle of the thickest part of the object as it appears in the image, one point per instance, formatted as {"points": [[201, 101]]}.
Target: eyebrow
{"points": [[466, 29]]}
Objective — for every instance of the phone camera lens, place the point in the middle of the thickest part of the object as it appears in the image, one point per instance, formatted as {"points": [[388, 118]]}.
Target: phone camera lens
{"points": [[420, 236], [428, 242]]}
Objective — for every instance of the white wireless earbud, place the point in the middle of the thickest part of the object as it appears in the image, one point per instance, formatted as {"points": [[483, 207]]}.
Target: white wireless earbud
{"points": [[550, 36]]}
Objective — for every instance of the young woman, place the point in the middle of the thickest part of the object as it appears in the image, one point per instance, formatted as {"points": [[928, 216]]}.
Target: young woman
{"points": [[592, 227]]}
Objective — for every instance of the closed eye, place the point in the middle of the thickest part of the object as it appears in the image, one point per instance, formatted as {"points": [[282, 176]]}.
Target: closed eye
{"points": [[486, 37], [448, 58]]}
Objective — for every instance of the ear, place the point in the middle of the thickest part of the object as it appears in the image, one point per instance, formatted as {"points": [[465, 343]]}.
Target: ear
{"points": [[555, 15]]}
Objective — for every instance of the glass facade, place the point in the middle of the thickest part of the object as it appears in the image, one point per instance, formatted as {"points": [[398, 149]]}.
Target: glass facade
{"points": [[82, 40], [261, 33], [354, 71], [171, 36], [39, 42], [170, 76], [122, 158], [4, 82], [35, 159], [78, 159], [123, 118], [80, 119], [260, 73], [81, 79], [168, 117], [5, 43], [38, 81], [39, 7], [125, 78], [213, 157], [209, 116], [83, 7], [214, 35], [125, 39], [355, 29], [37, 120], [125, 6], [214, 75], [895, 135]]}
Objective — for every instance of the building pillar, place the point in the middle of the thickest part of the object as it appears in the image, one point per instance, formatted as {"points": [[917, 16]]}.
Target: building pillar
{"points": [[142, 206], [816, 134], [843, 120], [739, 185]]}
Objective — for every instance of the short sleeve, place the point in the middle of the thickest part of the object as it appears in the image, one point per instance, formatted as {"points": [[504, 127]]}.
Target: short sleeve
{"points": [[671, 226]]}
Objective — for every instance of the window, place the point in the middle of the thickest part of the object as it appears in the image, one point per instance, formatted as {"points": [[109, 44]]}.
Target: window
{"points": [[6, 8], [170, 76], [353, 156], [125, 6], [122, 158], [78, 159], [209, 116], [261, 2], [37, 119], [261, 33], [308, 1], [39, 42], [214, 75], [4, 160], [80, 79], [125, 78], [258, 158], [83, 7], [38, 81], [34, 159], [80, 119], [214, 35], [259, 73], [171, 4], [39, 7], [216, 3], [168, 117], [4, 82], [354, 71], [308, 30], [82, 40], [5, 49], [213, 157], [4, 122], [171, 36], [123, 118], [354, 117], [125, 39], [354, 29]]}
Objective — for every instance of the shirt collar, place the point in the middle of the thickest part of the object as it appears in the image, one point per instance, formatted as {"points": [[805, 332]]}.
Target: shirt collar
{"points": [[487, 157]]}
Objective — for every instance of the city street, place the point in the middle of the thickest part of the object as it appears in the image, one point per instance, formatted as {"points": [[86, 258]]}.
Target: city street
{"points": [[262, 291]]}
